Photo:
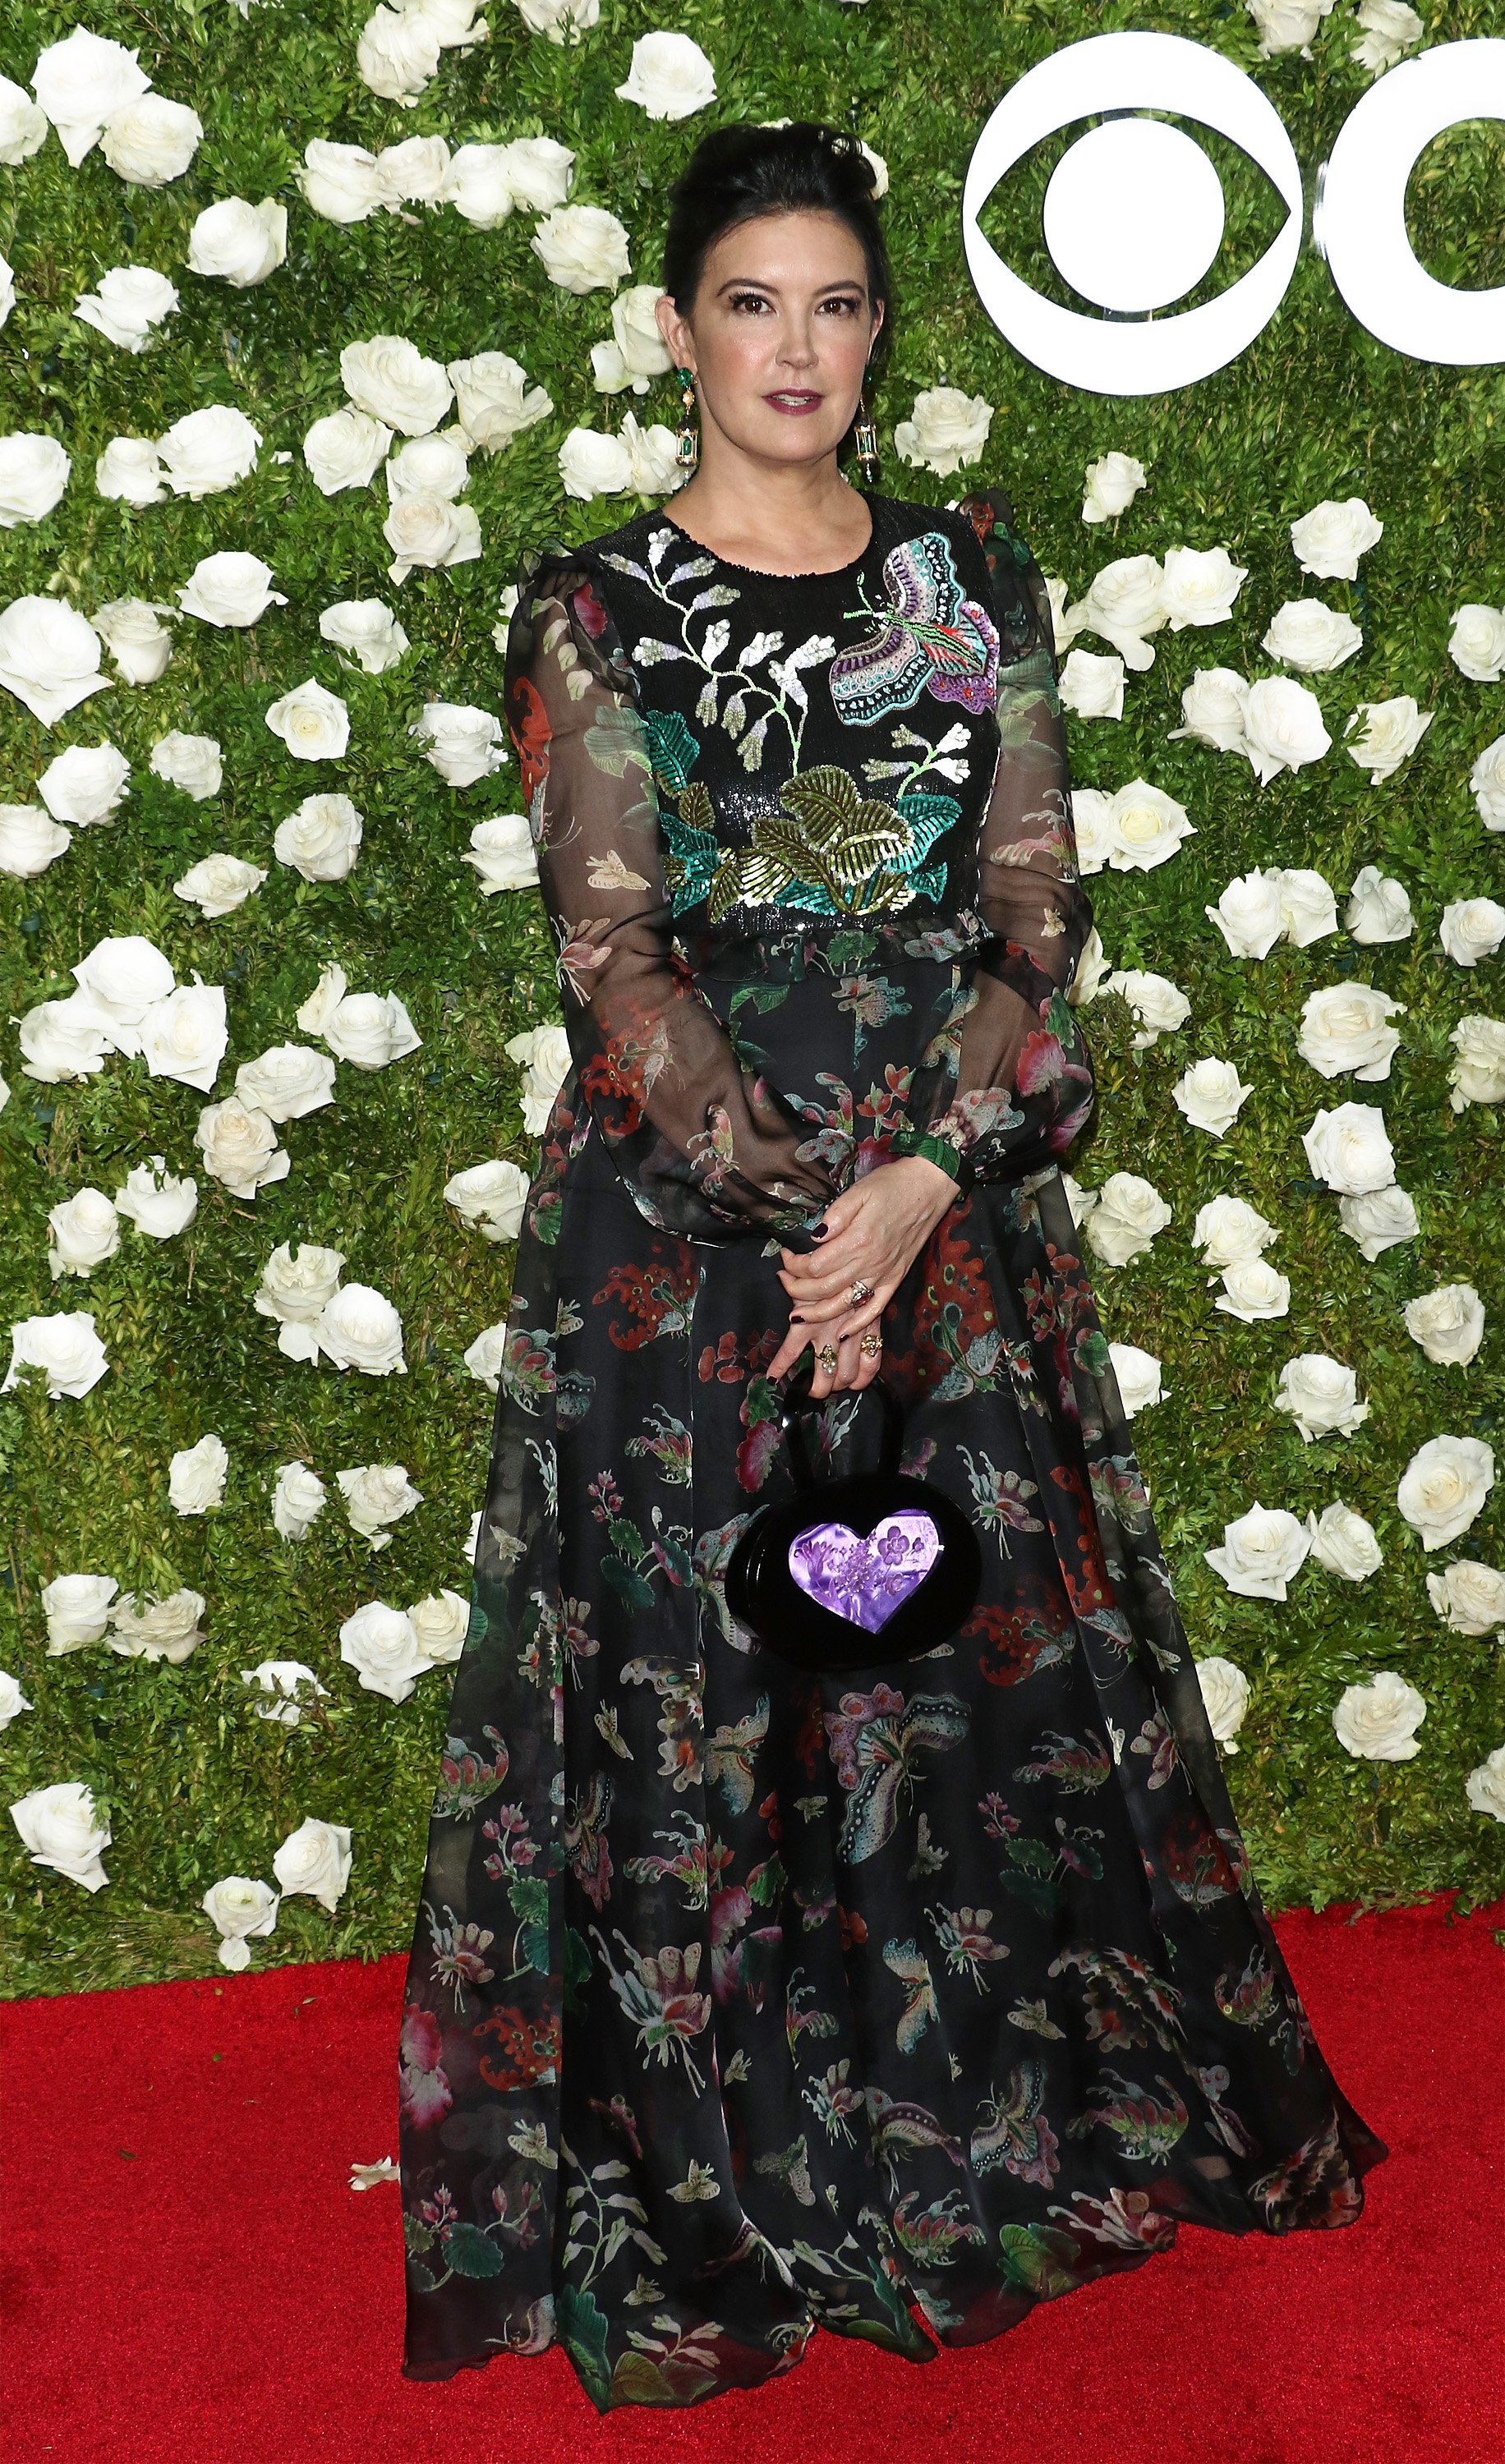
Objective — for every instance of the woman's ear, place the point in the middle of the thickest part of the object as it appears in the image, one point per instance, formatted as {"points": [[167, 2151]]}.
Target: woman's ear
{"points": [[673, 331]]}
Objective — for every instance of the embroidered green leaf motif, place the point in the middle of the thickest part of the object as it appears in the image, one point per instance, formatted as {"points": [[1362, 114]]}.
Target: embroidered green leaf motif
{"points": [[672, 748]]}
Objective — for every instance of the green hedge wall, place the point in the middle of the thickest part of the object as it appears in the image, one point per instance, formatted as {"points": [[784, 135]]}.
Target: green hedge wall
{"points": [[194, 1785]]}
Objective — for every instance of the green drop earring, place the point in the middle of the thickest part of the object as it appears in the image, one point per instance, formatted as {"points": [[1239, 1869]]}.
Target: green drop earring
{"points": [[688, 442]]}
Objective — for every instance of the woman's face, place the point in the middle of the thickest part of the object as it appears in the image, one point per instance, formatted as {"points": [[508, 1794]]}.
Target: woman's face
{"points": [[779, 334]]}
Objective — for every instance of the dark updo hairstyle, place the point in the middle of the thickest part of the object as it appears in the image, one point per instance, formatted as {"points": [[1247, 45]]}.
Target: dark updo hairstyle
{"points": [[743, 171]]}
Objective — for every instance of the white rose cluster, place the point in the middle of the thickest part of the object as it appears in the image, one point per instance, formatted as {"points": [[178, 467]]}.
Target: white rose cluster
{"points": [[1135, 596], [95, 91], [398, 48], [642, 460], [1135, 829]]}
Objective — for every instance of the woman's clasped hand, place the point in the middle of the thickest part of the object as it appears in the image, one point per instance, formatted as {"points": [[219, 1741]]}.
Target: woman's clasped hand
{"points": [[870, 1236]]}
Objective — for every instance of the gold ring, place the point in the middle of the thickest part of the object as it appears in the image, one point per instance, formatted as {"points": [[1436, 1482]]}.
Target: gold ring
{"points": [[826, 1358], [872, 1342], [860, 1293]]}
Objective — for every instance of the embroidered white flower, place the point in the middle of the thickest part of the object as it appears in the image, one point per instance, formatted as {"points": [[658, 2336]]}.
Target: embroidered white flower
{"points": [[1443, 1487], [1343, 1028], [1307, 634], [1378, 1721], [670, 77], [1224, 1697], [1390, 733], [1321, 1395], [1448, 1323], [1331, 539], [1112, 482], [1345, 1542], [1261, 1551], [945, 429]]}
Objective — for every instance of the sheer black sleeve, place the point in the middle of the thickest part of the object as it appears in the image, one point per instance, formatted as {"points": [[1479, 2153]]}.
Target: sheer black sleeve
{"points": [[1023, 1083], [707, 1149]]}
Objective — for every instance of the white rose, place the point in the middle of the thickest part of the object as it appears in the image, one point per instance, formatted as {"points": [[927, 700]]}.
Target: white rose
{"points": [[1476, 644], [1478, 1075], [57, 1824], [1471, 928], [322, 839], [346, 449], [1331, 539], [1212, 709], [85, 1231], [139, 643], [315, 1859], [1139, 1378], [1092, 818], [158, 1202], [125, 976], [1308, 905], [76, 1608], [1080, 1201], [163, 1629], [1123, 603], [297, 1500], [370, 1030], [49, 656], [563, 21], [237, 242], [1343, 1028], [294, 1292], [437, 464], [65, 1039], [1128, 1215], [1349, 1150], [1469, 1596], [583, 249], [430, 532], [1283, 727], [376, 1494], [368, 629], [1484, 1787], [396, 53], [1093, 687], [1378, 1721], [463, 741], [1249, 914], [591, 465], [1378, 907], [196, 1476], [239, 1147], [342, 182], [1321, 1395], [152, 140], [30, 839], [490, 1197], [1377, 1219], [1200, 585], [64, 1347], [184, 1035], [1230, 1233], [653, 456], [1147, 827], [1160, 1005], [231, 587], [545, 1055], [128, 470], [415, 171], [1261, 1551], [1390, 28], [34, 474], [1308, 634], [484, 1357], [453, 21], [209, 450], [637, 351], [670, 77], [391, 379], [1391, 733], [539, 171], [1448, 1323], [130, 301], [1224, 1697], [85, 785], [1253, 1290], [1287, 25], [192, 763], [286, 1082], [219, 883], [503, 853], [1112, 482], [23, 124], [358, 1328], [380, 1644], [1210, 1093], [1345, 1542], [440, 1623], [1443, 1487], [81, 82], [494, 401], [311, 722], [239, 1905], [944, 428], [316, 1012], [1090, 972], [478, 185]]}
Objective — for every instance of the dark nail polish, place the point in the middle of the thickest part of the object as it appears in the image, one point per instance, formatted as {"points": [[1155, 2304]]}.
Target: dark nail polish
{"points": [[818, 1231]]}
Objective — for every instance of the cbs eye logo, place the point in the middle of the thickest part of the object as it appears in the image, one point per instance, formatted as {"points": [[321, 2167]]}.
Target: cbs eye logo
{"points": [[1134, 211]]}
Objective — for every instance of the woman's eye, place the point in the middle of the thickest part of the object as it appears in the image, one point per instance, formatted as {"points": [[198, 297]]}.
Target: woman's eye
{"points": [[746, 299]]}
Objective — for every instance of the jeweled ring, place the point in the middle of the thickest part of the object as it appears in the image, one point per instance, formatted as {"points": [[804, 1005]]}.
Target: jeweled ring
{"points": [[872, 1342], [826, 1358], [860, 1293]]}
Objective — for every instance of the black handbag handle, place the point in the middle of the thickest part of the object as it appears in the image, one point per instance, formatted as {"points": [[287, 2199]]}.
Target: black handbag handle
{"points": [[795, 1401]]}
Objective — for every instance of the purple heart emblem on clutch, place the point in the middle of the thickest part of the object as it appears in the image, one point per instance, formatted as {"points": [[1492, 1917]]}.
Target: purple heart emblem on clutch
{"points": [[865, 1580]]}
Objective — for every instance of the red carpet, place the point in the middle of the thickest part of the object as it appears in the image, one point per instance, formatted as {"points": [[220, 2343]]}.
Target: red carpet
{"points": [[218, 2293]]}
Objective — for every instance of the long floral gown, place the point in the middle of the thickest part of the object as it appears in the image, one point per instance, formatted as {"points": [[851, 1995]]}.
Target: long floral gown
{"points": [[742, 2001]]}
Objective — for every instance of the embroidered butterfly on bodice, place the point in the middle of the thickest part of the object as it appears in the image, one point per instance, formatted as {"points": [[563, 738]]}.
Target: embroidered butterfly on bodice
{"points": [[930, 637]]}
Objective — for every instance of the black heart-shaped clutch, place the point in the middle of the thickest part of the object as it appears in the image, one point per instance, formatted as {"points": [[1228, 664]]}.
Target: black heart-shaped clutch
{"points": [[850, 1573]]}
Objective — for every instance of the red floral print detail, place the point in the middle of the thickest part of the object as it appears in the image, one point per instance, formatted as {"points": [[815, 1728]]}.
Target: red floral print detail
{"points": [[527, 721], [525, 2048]]}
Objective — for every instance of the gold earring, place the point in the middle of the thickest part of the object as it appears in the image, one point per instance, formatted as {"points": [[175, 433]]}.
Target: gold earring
{"points": [[865, 438], [688, 451]]}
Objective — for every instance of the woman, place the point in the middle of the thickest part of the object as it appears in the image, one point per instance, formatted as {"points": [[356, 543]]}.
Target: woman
{"points": [[742, 2000]]}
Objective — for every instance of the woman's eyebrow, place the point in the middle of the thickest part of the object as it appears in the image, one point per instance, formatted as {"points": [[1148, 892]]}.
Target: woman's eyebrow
{"points": [[752, 282]]}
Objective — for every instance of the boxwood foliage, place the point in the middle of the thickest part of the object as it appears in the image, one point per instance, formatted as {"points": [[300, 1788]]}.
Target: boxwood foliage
{"points": [[193, 1784]]}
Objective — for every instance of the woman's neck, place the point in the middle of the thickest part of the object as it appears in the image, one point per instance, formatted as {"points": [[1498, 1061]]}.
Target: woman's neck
{"points": [[774, 517]]}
